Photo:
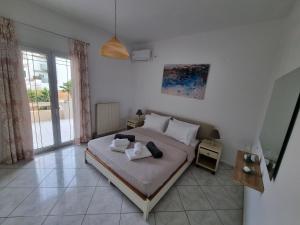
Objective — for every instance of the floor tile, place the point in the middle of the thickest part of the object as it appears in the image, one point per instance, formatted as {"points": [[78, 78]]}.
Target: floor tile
{"points": [[13, 166], [236, 193], [11, 198], [75, 149], [54, 157], [187, 179], [224, 177], [79, 153], [2, 219], [85, 178], [29, 178], [203, 218], [58, 178], [63, 152], [39, 202], [171, 218], [224, 166], [105, 200], [197, 189], [74, 201], [231, 217], [64, 220], [104, 219], [46, 162], [38, 220], [204, 177], [136, 219], [170, 202], [7, 175], [103, 181], [80, 162], [128, 206], [193, 198], [73, 162], [219, 198]]}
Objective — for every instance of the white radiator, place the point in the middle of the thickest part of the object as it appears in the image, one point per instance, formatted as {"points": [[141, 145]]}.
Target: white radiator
{"points": [[107, 117]]}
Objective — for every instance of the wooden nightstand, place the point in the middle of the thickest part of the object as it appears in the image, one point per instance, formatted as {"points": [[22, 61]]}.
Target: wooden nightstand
{"points": [[134, 123], [209, 154]]}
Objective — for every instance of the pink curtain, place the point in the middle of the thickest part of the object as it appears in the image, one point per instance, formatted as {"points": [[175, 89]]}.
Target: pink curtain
{"points": [[15, 130], [80, 92]]}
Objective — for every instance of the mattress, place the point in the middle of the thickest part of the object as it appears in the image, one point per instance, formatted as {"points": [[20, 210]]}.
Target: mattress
{"points": [[149, 174]]}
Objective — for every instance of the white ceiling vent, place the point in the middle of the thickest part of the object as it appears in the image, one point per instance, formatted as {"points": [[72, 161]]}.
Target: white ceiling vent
{"points": [[141, 55]]}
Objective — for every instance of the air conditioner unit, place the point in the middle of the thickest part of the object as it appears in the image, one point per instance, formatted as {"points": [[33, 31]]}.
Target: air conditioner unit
{"points": [[141, 55]]}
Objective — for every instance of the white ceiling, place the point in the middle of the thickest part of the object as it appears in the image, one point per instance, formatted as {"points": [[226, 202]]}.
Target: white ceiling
{"points": [[148, 20]]}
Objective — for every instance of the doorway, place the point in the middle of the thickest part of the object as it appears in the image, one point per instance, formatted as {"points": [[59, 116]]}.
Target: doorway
{"points": [[49, 85]]}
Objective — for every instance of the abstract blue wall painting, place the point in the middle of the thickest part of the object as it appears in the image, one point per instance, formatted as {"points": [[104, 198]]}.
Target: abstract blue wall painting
{"points": [[188, 80]]}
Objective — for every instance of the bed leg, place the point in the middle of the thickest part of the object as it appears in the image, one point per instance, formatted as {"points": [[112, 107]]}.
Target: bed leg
{"points": [[86, 162], [146, 216], [146, 210]]}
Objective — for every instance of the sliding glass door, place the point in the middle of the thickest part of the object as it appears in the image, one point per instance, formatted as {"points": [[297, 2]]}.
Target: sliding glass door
{"points": [[64, 88], [48, 82]]}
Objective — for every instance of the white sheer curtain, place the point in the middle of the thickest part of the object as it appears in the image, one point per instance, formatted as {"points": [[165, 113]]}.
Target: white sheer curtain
{"points": [[80, 92]]}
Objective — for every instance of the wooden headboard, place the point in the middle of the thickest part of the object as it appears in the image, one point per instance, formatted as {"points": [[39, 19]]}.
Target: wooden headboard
{"points": [[203, 132]]}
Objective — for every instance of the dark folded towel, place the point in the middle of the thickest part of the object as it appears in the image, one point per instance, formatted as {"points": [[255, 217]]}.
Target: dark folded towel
{"points": [[130, 138], [156, 153]]}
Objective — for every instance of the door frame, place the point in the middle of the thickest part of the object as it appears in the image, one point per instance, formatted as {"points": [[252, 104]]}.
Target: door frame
{"points": [[53, 89]]}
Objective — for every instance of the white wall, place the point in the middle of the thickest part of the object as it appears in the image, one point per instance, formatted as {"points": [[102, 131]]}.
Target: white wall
{"points": [[240, 60], [280, 202], [110, 80]]}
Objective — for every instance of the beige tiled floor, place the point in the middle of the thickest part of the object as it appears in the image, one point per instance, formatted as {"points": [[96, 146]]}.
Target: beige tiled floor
{"points": [[58, 188]]}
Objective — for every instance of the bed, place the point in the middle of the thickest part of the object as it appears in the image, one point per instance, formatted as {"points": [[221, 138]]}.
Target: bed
{"points": [[144, 181]]}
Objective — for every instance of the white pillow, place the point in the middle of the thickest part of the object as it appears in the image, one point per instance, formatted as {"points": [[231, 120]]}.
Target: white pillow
{"points": [[156, 122], [182, 131], [193, 130], [162, 117]]}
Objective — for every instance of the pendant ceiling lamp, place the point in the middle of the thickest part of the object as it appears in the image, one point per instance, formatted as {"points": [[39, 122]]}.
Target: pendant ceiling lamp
{"points": [[113, 48]]}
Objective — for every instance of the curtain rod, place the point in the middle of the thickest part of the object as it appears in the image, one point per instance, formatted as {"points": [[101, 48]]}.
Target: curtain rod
{"points": [[47, 31]]}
